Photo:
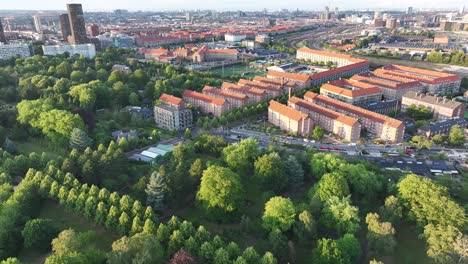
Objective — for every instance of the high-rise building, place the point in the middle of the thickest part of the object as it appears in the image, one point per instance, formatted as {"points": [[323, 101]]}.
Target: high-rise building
{"points": [[37, 23], [65, 26], [462, 10], [2, 33], [93, 30], [409, 10], [77, 24]]}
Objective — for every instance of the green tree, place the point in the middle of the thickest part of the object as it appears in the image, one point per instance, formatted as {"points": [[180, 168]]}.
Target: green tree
{"points": [[66, 242], [339, 215], [279, 214], [305, 227], [456, 136], [156, 191], [328, 252], [437, 139], [221, 192], [440, 242], [196, 169], [38, 234], [391, 211], [331, 184], [420, 142], [363, 182], [269, 172], [140, 248], [79, 140], [188, 133], [317, 133], [240, 157], [294, 171], [380, 235]]}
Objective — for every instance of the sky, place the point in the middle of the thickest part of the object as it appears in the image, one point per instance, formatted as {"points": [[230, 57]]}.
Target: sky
{"points": [[162, 5]]}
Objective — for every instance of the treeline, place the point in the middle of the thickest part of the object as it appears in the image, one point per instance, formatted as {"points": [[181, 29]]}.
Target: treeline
{"points": [[455, 58]]}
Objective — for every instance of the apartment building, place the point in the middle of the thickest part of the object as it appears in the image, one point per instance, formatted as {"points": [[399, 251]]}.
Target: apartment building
{"points": [[343, 126], [339, 72], [87, 50], [170, 113], [289, 119], [206, 54], [441, 107], [324, 56], [380, 126], [272, 90], [392, 87], [207, 104], [8, 51], [236, 100], [434, 82], [352, 92], [301, 80], [285, 85], [254, 95], [442, 127]]}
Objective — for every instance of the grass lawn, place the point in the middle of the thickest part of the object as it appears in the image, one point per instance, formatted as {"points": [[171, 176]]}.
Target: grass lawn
{"points": [[409, 248], [236, 70], [64, 220], [39, 146]]}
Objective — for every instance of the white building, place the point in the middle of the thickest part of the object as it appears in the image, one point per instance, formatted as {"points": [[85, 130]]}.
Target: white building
{"points": [[234, 37], [13, 50], [87, 50]]}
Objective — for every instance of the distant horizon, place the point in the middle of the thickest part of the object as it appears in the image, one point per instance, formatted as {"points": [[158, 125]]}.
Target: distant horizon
{"points": [[224, 5]]}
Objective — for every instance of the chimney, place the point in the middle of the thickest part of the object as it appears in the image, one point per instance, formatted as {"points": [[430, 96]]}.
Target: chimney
{"points": [[289, 92]]}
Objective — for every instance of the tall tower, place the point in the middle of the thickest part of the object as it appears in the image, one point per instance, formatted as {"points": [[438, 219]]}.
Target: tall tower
{"points": [[77, 24], [2, 33], [65, 26], [37, 23]]}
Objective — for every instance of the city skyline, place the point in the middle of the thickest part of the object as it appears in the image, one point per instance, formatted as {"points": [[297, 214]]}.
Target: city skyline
{"points": [[89, 5]]}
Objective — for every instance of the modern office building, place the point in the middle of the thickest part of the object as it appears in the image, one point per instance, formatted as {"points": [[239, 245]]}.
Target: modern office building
{"points": [[64, 26], [441, 107], [87, 50], [170, 113], [37, 23], [8, 51], [343, 126], [2, 33], [352, 92], [380, 126], [289, 119], [77, 24], [207, 104]]}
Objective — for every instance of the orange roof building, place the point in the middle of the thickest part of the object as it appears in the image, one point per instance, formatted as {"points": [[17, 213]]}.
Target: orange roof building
{"points": [[272, 90], [170, 113], [392, 87], [438, 83], [285, 85], [352, 92], [343, 126], [383, 127], [173, 101], [289, 119], [319, 55], [236, 100], [255, 95], [206, 54], [301, 80], [207, 104]]}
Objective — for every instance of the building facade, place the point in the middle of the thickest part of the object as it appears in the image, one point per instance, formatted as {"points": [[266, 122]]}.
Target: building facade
{"points": [[382, 127], [289, 119], [345, 127], [87, 50], [352, 92], [64, 22], [77, 24], [441, 107], [207, 104], [170, 113], [234, 99], [442, 127], [8, 51], [2, 33]]}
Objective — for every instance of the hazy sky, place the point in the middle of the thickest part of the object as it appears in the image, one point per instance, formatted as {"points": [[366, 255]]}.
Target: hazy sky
{"points": [[98, 5]]}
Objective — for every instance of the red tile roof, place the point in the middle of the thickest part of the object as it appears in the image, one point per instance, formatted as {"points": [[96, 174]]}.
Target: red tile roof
{"points": [[342, 87], [204, 97], [287, 111], [425, 76], [290, 76], [354, 110], [329, 54], [273, 81], [170, 99], [338, 70], [237, 96]]}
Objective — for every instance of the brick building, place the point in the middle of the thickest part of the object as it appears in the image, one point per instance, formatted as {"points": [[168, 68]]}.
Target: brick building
{"points": [[352, 92], [254, 95], [442, 127], [343, 126], [301, 80], [289, 119], [235, 100], [380, 126], [207, 104], [441, 107]]}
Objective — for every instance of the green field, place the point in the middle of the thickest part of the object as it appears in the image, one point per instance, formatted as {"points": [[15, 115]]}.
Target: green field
{"points": [[64, 220], [236, 70], [38, 146]]}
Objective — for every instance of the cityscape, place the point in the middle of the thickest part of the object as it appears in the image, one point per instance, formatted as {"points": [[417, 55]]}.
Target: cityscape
{"points": [[233, 132]]}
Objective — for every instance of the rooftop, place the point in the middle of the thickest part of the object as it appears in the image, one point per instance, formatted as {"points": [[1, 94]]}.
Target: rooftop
{"points": [[350, 88], [287, 111], [434, 100], [289, 76], [225, 93], [170, 99], [425, 76], [204, 97]]}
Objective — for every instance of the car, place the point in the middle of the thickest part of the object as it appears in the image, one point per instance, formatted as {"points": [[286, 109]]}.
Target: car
{"points": [[336, 148], [322, 147]]}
